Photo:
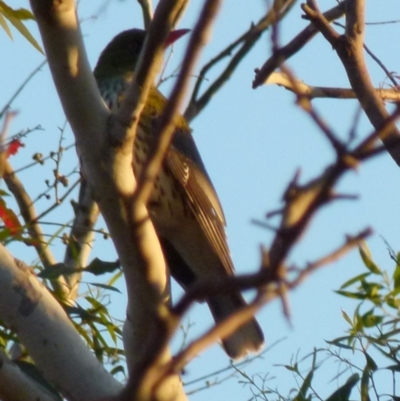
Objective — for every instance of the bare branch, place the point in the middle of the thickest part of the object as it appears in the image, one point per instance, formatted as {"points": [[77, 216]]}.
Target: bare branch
{"points": [[29, 215], [245, 43], [22, 86], [349, 244], [285, 52], [350, 51], [147, 10], [313, 92], [81, 237]]}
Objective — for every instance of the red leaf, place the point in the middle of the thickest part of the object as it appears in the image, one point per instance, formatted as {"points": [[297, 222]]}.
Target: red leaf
{"points": [[13, 147], [9, 218]]}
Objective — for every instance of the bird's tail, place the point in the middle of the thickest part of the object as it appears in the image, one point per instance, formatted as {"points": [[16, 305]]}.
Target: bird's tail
{"points": [[248, 338]]}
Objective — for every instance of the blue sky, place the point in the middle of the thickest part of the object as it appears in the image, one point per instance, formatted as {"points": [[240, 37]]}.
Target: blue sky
{"points": [[252, 142]]}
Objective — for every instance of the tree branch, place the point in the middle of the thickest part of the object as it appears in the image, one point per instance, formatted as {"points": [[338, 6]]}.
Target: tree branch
{"points": [[15, 385], [246, 42], [48, 334], [297, 43], [80, 237], [313, 92], [349, 48]]}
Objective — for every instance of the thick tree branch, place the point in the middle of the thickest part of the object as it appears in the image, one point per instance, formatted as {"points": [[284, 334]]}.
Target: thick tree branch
{"points": [[48, 334], [147, 11], [107, 166], [15, 385]]}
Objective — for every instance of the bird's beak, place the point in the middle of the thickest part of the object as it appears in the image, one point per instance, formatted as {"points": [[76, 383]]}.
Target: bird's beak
{"points": [[175, 35]]}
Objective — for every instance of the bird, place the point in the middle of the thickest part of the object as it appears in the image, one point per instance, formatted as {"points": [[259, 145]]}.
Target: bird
{"points": [[183, 206]]}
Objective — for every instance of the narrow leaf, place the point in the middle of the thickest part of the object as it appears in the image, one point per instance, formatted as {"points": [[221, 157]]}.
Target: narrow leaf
{"points": [[353, 280], [343, 393], [367, 258], [98, 267], [4, 25], [21, 28], [106, 287]]}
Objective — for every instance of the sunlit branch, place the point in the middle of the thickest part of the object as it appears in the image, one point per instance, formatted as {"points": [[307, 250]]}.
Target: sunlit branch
{"points": [[147, 10], [349, 48], [313, 92], [80, 237]]}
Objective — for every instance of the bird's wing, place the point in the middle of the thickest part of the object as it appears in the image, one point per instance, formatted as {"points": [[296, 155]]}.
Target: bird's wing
{"points": [[185, 163], [202, 200]]}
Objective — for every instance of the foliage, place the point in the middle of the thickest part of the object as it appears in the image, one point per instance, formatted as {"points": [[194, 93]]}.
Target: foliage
{"points": [[15, 17], [370, 347]]}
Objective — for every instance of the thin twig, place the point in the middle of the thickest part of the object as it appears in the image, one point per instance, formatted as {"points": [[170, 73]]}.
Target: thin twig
{"points": [[246, 42], [22, 86], [29, 215], [296, 44], [350, 243]]}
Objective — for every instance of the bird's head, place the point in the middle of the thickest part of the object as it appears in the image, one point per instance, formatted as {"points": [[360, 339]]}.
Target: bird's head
{"points": [[121, 55]]}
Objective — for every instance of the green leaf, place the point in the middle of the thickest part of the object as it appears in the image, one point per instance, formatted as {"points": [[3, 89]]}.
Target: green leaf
{"points": [[117, 369], [293, 368], [337, 342], [106, 287], [393, 368], [301, 395], [347, 318], [371, 288], [20, 13], [355, 295], [393, 302], [343, 393], [98, 306], [15, 17], [367, 258], [364, 390], [4, 25], [353, 280], [371, 320], [98, 267], [371, 364], [396, 277], [55, 271]]}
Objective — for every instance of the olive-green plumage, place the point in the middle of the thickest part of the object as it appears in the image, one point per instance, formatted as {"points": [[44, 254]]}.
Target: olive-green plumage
{"points": [[184, 206]]}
